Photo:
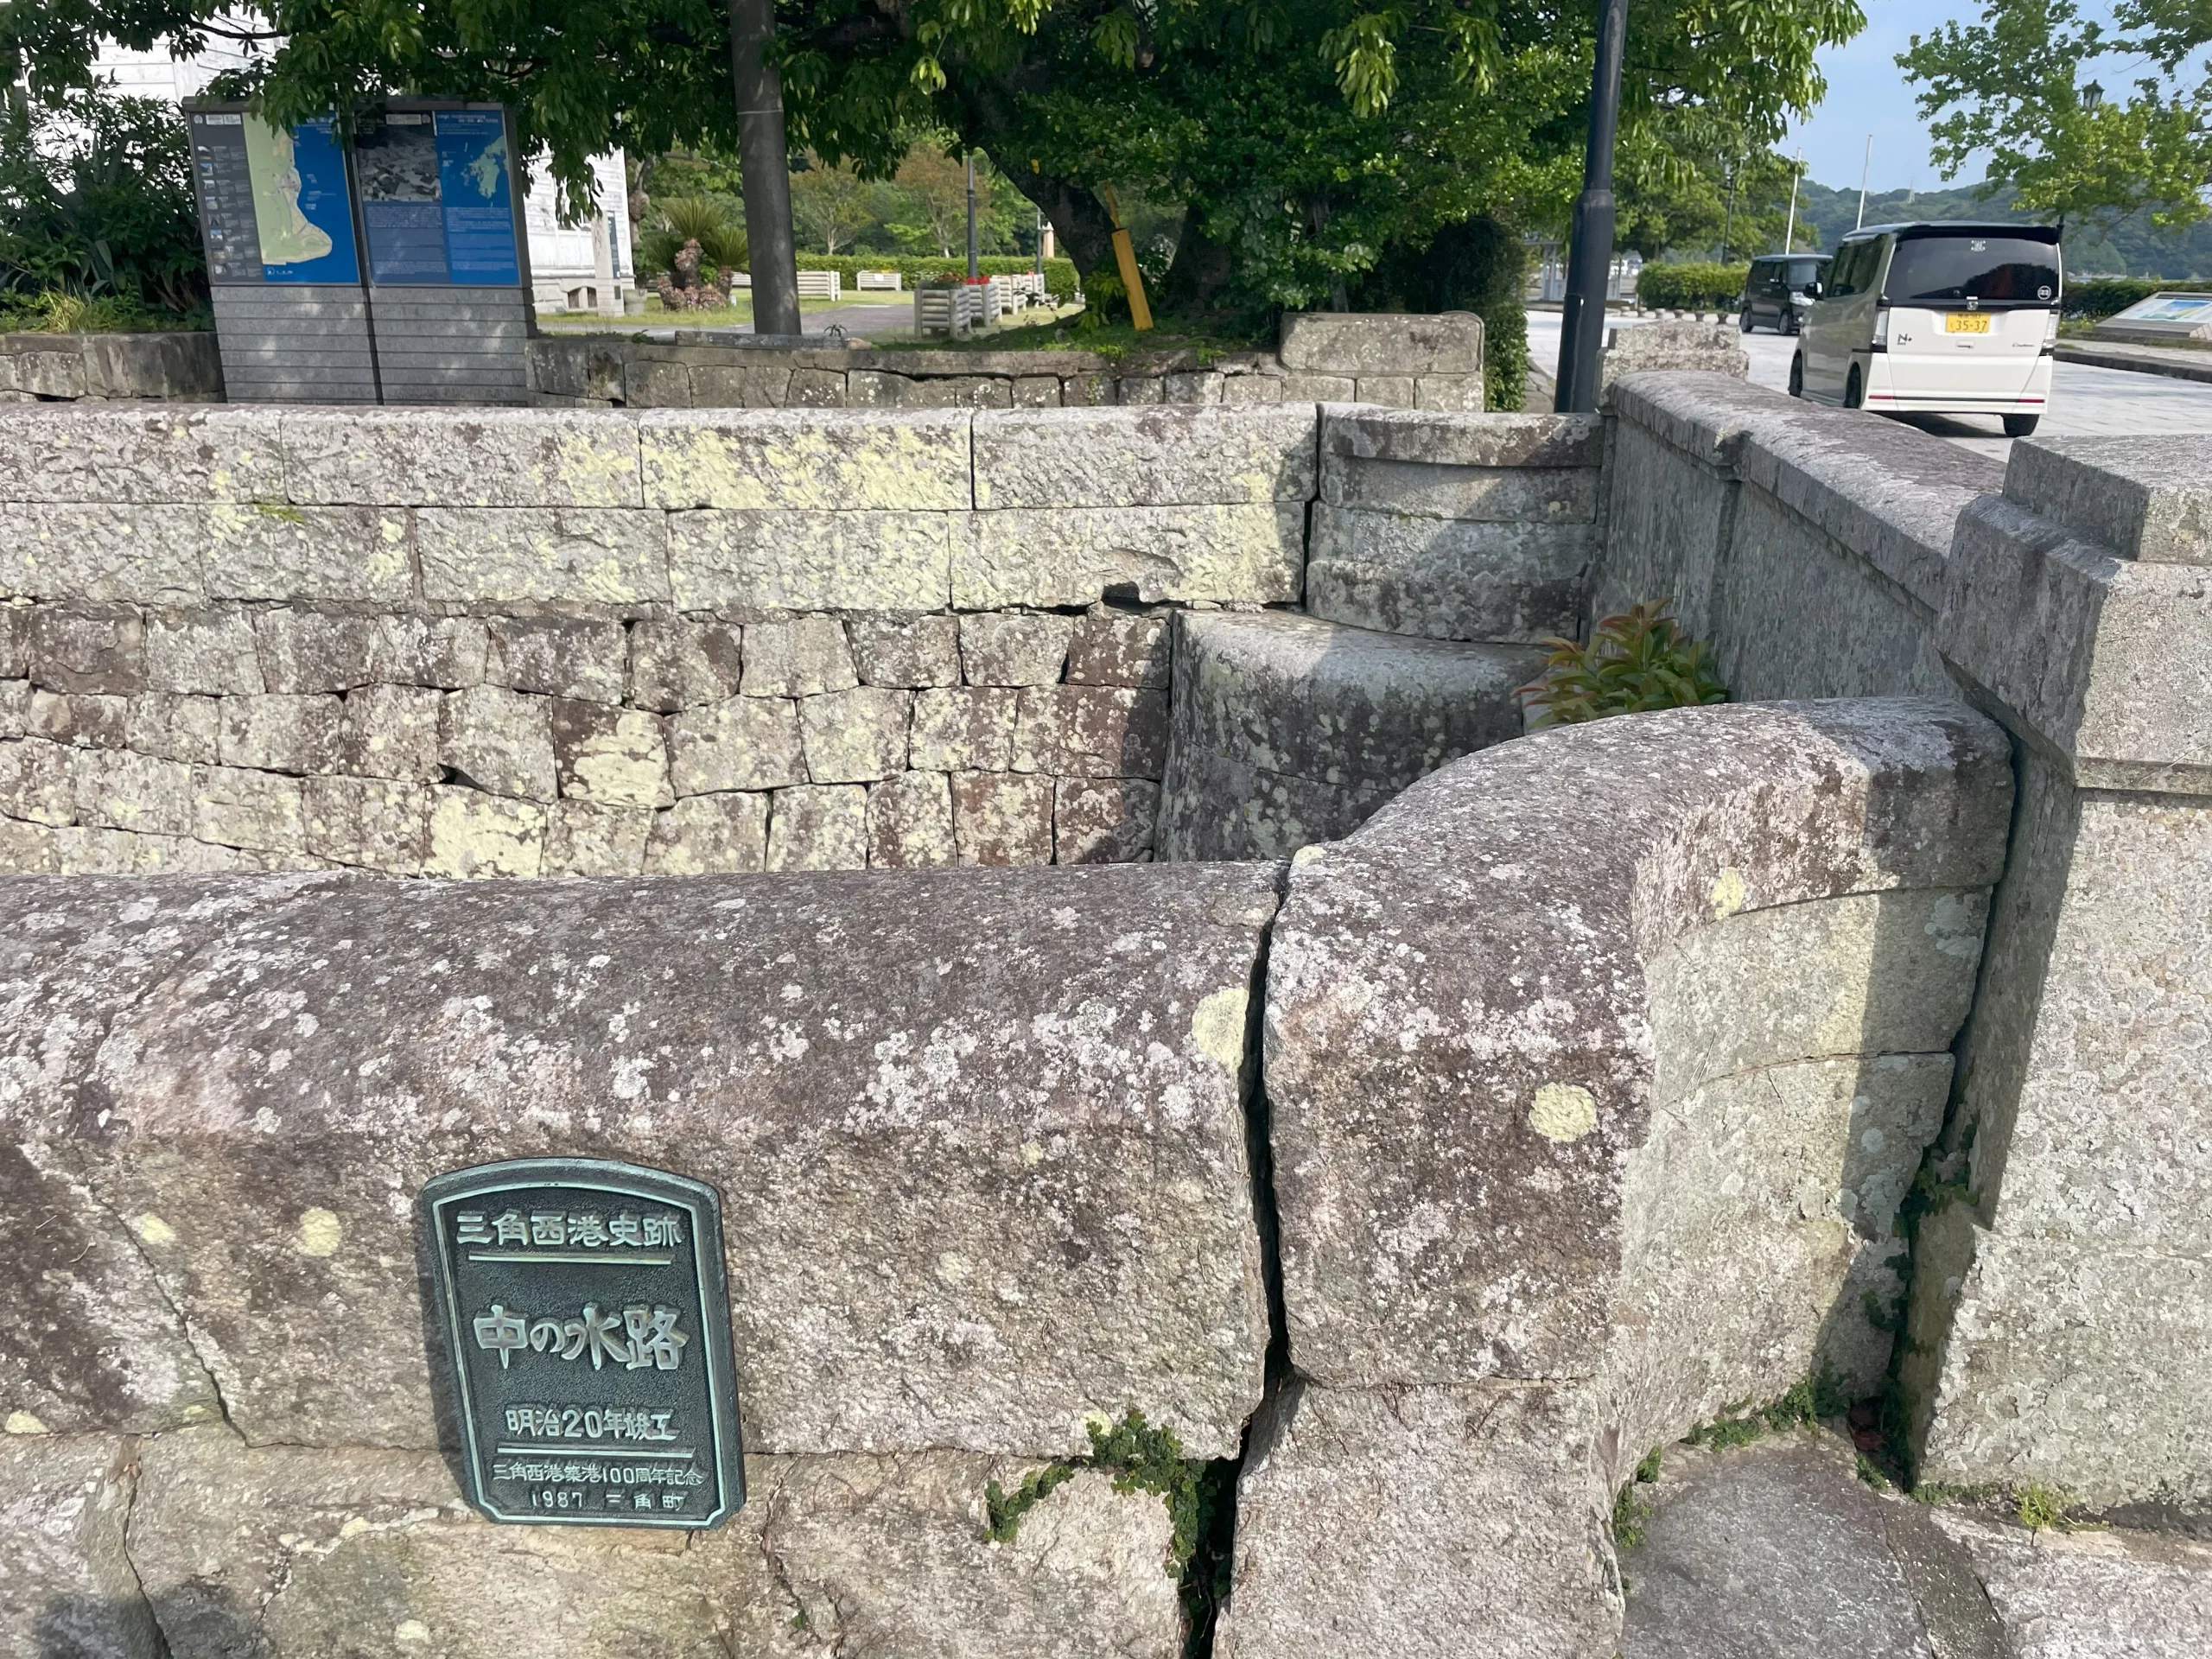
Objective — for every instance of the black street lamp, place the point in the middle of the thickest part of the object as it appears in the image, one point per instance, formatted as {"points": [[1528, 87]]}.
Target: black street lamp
{"points": [[1590, 251]]}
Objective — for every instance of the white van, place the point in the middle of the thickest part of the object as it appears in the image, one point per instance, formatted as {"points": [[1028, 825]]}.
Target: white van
{"points": [[1950, 319]]}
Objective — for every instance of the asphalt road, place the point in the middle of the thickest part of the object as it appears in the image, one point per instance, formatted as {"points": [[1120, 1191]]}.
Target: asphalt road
{"points": [[2084, 401]]}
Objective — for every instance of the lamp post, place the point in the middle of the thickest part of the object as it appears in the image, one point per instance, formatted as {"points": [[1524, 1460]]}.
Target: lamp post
{"points": [[1590, 251], [972, 271]]}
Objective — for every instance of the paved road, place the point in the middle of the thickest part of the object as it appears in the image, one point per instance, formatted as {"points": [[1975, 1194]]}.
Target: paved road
{"points": [[2084, 401]]}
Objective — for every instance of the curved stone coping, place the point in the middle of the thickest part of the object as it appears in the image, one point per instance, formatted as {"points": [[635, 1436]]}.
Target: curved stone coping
{"points": [[1462, 1037], [979, 1135], [1891, 493]]}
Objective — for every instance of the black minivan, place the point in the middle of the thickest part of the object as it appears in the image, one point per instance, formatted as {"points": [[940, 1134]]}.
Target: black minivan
{"points": [[1780, 291]]}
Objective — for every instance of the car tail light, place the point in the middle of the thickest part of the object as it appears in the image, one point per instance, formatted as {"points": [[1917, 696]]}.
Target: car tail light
{"points": [[2050, 329], [1881, 327]]}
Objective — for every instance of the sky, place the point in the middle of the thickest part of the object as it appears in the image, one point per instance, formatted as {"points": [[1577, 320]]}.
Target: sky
{"points": [[1868, 93]]}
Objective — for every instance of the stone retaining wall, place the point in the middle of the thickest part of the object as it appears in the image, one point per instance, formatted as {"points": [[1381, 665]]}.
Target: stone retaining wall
{"points": [[2060, 1303], [1424, 362], [180, 367]]}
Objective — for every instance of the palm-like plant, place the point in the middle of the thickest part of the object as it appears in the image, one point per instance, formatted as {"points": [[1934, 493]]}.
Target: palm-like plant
{"points": [[702, 219], [1636, 661]]}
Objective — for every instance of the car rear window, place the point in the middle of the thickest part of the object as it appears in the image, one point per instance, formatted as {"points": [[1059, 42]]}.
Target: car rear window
{"points": [[1803, 271], [1991, 269]]}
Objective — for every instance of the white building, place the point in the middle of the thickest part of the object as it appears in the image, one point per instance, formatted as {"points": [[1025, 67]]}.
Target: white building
{"points": [[573, 268]]}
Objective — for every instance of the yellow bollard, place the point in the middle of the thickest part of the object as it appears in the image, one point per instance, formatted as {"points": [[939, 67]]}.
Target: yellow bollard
{"points": [[1125, 256]]}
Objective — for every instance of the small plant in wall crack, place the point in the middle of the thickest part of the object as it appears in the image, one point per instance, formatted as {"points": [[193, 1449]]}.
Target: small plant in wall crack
{"points": [[1636, 662], [1200, 1494]]}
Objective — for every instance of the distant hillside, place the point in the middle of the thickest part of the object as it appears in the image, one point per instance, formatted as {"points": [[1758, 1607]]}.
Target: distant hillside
{"points": [[2136, 247]]}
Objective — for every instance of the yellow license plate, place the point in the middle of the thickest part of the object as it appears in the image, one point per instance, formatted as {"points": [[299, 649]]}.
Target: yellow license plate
{"points": [[1966, 323]]}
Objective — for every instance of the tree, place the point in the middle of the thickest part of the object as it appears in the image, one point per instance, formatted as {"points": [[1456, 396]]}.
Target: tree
{"points": [[935, 193], [2010, 86], [829, 203]]}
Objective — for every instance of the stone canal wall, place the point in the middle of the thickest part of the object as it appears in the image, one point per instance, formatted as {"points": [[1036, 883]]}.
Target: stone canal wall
{"points": [[605, 643], [177, 367]]}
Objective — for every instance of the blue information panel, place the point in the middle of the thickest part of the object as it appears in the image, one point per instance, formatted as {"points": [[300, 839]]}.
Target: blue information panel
{"points": [[437, 199], [273, 204]]}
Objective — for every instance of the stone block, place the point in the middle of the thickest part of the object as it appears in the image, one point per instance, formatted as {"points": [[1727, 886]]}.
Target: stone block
{"points": [[1015, 648], [500, 741], [151, 456], [957, 391], [102, 554], [559, 657], [802, 658], [739, 388], [1392, 390], [1120, 648], [101, 651], [2143, 497], [1486, 494], [1001, 817], [29, 848], [709, 834], [615, 757], [15, 708], [1177, 457], [799, 561], [14, 623], [374, 823], [681, 663], [1319, 388], [873, 389], [650, 383], [1037, 392], [787, 460], [910, 822], [1362, 343], [117, 790], [392, 731], [2058, 1593], [318, 650], [855, 736], [1458, 393], [293, 1555], [592, 555], [1427, 1523], [85, 720], [910, 652], [967, 729], [1076, 557], [1102, 820], [38, 781], [64, 1503], [816, 388], [210, 652], [175, 727], [361, 554], [1203, 387], [473, 834], [279, 732], [1448, 579], [1092, 731], [101, 1350], [1443, 439], [583, 839], [816, 827], [257, 810], [1682, 346], [1087, 390], [740, 743], [448, 457], [1252, 388], [1136, 391]]}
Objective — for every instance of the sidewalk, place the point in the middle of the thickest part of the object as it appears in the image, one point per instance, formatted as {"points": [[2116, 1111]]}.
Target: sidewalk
{"points": [[2177, 363]]}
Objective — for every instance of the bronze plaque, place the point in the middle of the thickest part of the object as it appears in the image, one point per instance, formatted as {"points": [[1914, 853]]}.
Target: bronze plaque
{"points": [[586, 1315]]}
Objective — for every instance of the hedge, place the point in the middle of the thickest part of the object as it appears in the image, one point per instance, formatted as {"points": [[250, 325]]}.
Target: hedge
{"points": [[2100, 297], [1059, 274], [1691, 287]]}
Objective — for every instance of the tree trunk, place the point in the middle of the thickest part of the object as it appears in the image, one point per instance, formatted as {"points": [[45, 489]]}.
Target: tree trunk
{"points": [[764, 165], [1080, 217], [1197, 274]]}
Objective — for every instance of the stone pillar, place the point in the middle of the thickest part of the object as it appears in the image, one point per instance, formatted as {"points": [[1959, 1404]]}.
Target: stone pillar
{"points": [[2061, 1325]]}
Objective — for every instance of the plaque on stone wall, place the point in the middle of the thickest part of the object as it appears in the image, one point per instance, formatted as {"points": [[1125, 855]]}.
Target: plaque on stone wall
{"points": [[584, 1311]]}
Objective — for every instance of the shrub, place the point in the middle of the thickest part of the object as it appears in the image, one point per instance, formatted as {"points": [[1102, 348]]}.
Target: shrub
{"points": [[1635, 662], [691, 218], [1691, 288], [96, 201]]}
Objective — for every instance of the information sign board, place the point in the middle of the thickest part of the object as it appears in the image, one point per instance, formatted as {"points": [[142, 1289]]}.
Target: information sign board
{"points": [[583, 1307], [274, 205], [438, 198]]}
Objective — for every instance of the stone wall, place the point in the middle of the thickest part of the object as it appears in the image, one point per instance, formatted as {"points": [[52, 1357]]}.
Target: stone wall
{"points": [[1424, 362], [180, 367], [608, 643], [2060, 1304]]}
